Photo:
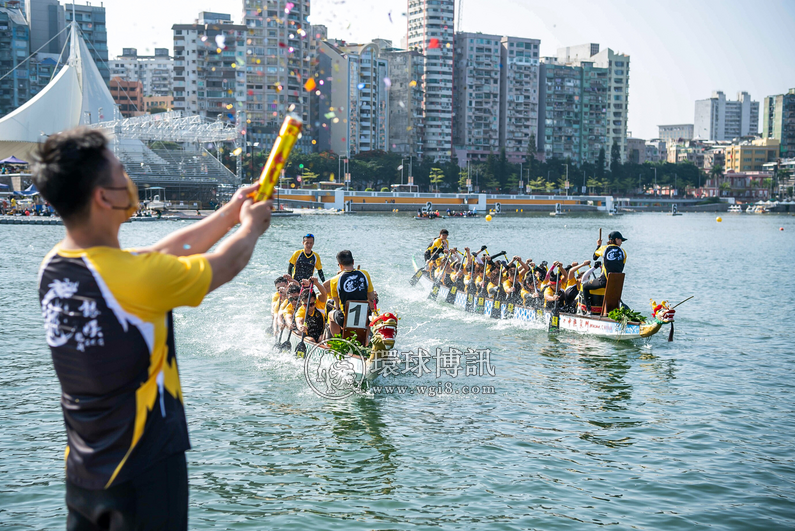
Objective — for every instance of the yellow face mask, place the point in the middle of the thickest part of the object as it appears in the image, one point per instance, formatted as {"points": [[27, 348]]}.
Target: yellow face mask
{"points": [[132, 198], [132, 195]]}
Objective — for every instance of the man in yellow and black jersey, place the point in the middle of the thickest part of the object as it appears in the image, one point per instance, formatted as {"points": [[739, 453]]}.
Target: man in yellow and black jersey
{"points": [[349, 285], [613, 260], [304, 261], [108, 321], [438, 246]]}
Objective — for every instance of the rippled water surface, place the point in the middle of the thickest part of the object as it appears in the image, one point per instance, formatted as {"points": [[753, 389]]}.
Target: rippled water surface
{"points": [[581, 432]]}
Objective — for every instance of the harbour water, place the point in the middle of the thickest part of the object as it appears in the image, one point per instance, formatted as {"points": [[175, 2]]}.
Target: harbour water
{"points": [[580, 432]]}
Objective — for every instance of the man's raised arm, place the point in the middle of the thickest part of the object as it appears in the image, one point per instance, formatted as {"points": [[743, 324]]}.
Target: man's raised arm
{"points": [[200, 237]]}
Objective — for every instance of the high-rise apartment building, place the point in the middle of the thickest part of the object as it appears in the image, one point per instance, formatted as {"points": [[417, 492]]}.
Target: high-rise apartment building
{"points": [[519, 94], [779, 121], [91, 20], [128, 96], [46, 19], [281, 43], [476, 99], [617, 104], [209, 69], [717, 118], [406, 123], [430, 32], [573, 121], [155, 72], [355, 106], [675, 132], [14, 49]]}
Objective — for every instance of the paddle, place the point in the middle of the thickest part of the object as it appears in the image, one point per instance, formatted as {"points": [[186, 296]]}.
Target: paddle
{"points": [[437, 282], [300, 348], [554, 320], [511, 300], [286, 344], [472, 288], [496, 310]]}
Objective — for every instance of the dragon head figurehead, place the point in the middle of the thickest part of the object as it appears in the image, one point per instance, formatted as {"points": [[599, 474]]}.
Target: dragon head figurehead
{"points": [[384, 330], [662, 312]]}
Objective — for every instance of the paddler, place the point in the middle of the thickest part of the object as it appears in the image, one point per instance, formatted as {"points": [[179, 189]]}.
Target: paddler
{"points": [[350, 284], [286, 310], [438, 246], [553, 291], [613, 260], [310, 317], [304, 261]]}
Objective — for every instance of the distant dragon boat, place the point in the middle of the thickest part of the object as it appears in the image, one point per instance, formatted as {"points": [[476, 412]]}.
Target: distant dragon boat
{"points": [[600, 326]]}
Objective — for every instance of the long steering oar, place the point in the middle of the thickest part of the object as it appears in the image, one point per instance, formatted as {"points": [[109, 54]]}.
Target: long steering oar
{"points": [[671, 332]]}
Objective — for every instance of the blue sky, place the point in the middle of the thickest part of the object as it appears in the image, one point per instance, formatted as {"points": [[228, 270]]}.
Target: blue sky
{"points": [[681, 50]]}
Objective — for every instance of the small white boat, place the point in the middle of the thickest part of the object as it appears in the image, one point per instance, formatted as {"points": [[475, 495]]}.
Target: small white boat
{"points": [[558, 210], [738, 209]]}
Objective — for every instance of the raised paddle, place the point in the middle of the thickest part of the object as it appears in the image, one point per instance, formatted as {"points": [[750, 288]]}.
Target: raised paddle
{"points": [[496, 307], [554, 319], [511, 300], [472, 288]]}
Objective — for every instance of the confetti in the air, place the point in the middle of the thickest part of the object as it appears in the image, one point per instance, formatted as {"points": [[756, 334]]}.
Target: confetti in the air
{"points": [[412, 83], [387, 82], [360, 86], [220, 41], [433, 44]]}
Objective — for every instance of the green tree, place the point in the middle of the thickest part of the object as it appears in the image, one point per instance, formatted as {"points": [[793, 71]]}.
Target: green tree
{"points": [[513, 182], [615, 161], [600, 165], [593, 184], [539, 183], [462, 179], [436, 177], [307, 177]]}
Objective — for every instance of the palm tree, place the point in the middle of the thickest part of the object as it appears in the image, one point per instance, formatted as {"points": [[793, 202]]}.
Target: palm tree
{"points": [[717, 173]]}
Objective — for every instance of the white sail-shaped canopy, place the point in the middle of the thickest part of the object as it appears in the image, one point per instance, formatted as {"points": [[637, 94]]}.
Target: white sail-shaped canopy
{"points": [[77, 95]]}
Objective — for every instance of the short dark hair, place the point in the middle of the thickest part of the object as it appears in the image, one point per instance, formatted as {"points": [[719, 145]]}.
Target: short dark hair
{"points": [[68, 167], [444, 231], [345, 258], [293, 289], [280, 280]]}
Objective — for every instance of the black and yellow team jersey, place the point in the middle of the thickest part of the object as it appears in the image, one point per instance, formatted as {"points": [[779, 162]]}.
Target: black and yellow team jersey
{"points": [[350, 286], [314, 323], [275, 303], [614, 258], [108, 323], [438, 245], [550, 291], [304, 265]]}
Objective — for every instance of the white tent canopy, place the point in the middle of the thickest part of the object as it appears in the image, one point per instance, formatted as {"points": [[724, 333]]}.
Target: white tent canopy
{"points": [[78, 95]]}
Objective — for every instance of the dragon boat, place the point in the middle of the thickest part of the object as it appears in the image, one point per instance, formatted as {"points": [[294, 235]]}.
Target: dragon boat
{"points": [[358, 362], [600, 326]]}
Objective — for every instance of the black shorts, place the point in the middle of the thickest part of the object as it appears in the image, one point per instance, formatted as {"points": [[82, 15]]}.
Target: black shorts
{"points": [[155, 499]]}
